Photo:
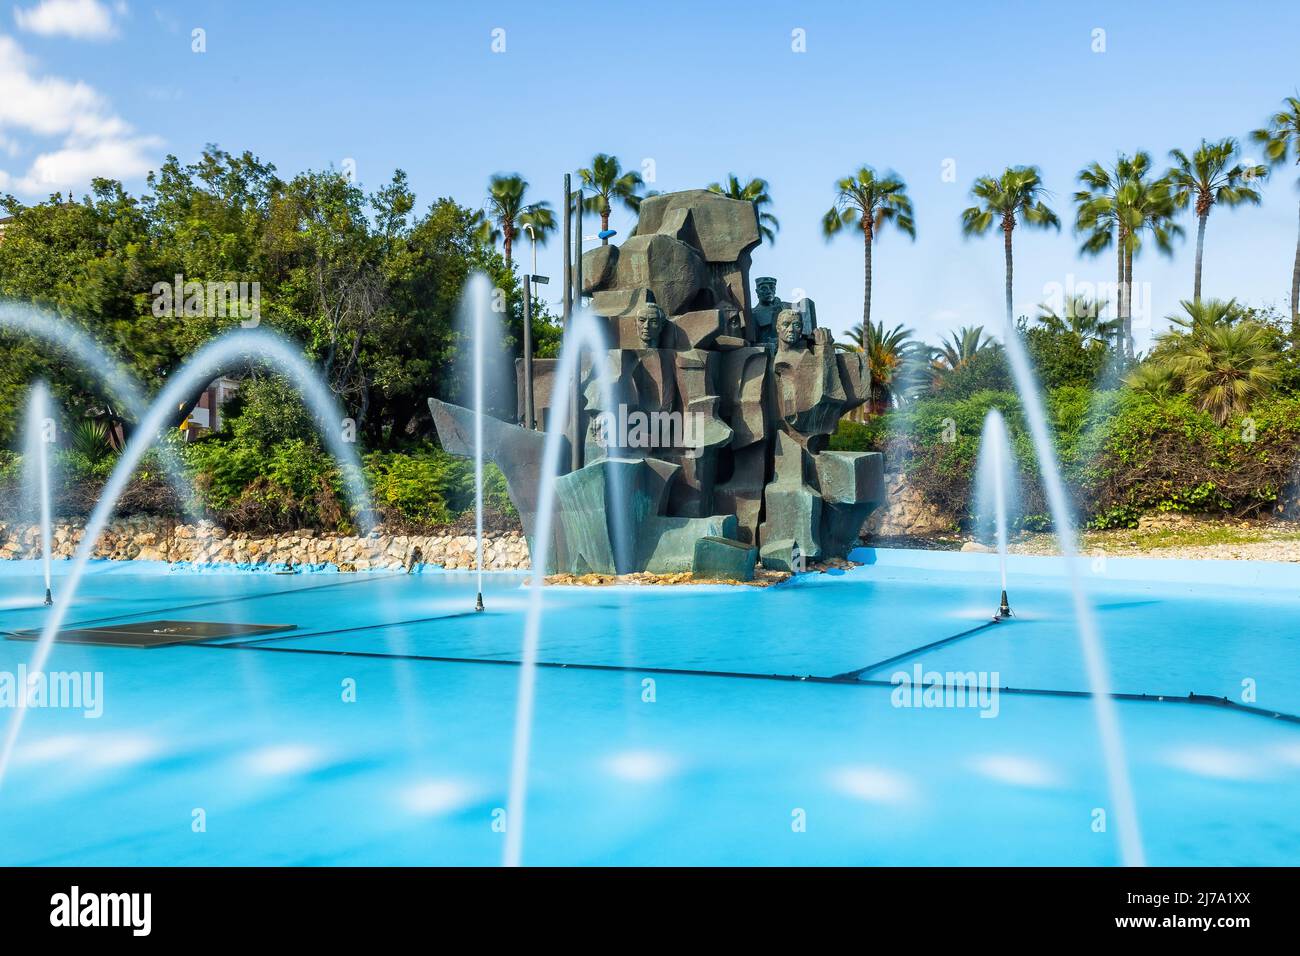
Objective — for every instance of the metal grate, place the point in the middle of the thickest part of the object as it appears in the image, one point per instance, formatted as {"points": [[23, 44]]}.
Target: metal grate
{"points": [[153, 633]]}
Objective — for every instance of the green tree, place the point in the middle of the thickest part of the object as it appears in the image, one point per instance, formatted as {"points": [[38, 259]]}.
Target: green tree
{"points": [[607, 182], [870, 202], [1081, 317], [959, 347], [507, 213], [888, 351], [1014, 197], [1221, 359], [1098, 219], [1070, 348], [1119, 206], [1281, 140], [755, 191], [1209, 177]]}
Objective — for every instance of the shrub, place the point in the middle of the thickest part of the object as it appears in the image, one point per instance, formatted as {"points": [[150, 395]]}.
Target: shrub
{"points": [[1168, 456]]}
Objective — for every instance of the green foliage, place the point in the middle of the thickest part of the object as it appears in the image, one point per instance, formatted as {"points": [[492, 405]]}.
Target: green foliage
{"points": [[367, 286], [985, 370], [89, 439], [1062, 358], [268, 412], [860, 436], [1163, 455]]}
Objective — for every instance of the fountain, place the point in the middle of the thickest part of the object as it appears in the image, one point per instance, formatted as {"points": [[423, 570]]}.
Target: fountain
{"points": [[235, 348], [475, 301], [992, 484], [1103, 704], [712, 452], [584, 334], [61, 335], [36, 452]]}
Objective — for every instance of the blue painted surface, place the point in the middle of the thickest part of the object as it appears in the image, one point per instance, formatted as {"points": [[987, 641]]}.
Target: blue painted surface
{"points": [[715, 770]]}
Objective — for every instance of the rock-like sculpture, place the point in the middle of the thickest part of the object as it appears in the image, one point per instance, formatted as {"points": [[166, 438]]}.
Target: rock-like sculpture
{"points": [[724, 411], [766, 310]]}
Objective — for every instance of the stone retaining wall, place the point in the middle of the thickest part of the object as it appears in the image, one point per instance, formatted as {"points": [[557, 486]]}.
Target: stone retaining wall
{"points": [[152, 539]]}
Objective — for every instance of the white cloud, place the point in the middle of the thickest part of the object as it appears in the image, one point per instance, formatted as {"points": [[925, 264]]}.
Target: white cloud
{"points": [[79, 19], [111, 159], [95, 141]]}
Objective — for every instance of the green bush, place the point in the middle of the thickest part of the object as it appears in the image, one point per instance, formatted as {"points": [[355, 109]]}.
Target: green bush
{"points": [[1167, 456]]}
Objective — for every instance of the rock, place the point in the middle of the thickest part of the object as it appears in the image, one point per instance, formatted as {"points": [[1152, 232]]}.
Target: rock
{"points": [[725, 559]]}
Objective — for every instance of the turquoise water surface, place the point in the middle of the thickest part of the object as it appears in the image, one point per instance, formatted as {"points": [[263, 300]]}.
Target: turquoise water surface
{"points": [[682, 731]]}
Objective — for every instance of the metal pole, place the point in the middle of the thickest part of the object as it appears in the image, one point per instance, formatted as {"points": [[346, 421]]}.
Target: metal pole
{"points": [[528, 351], [576, 397], [568, 273]]}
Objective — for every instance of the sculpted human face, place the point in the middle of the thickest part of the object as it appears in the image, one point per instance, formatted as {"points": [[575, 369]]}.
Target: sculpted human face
{"points": [[766, 292], [649, 325], [789, 328]]}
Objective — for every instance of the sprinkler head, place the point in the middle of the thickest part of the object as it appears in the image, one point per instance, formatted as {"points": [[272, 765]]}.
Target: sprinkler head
{"points": [[1004, 609], [49, 598], [478, 604]]}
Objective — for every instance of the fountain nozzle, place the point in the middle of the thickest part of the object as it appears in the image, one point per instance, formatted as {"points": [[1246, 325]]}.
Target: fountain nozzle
{"points": [[478, 603], [49, 598], [1004, 609]]}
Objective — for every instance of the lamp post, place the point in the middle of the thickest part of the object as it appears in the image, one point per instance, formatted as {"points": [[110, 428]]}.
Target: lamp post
{"points": [[530, 418], [575, 299]]}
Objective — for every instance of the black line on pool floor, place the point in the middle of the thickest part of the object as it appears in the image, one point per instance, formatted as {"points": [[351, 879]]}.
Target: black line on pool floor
{"points": [[227, 600], [359, 628], [1203, 699], [857, 674]]}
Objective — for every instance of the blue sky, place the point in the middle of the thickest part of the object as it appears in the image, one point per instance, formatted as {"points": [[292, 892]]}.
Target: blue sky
{"points": [[699, 90]]}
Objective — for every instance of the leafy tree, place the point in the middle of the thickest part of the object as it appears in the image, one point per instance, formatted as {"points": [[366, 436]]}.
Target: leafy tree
{"points": [[870, 202], [1207, 178], [607, 182], [1281, 140], [1014, 197], [755, 191], [1070, 349]]}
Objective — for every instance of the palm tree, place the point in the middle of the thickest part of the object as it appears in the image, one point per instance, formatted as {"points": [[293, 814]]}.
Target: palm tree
{"points": [[1198, 317], [887, 352], [1014, 196], [1207, 177], [869, 202], [1227, 367], [1081, 318], [507, 213], [1099, 220], [1118, 206], [1146, 206], [607, 182], [1221, 358], [959, 349], [754, 191], [1280, 139], [1155, 379]]}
